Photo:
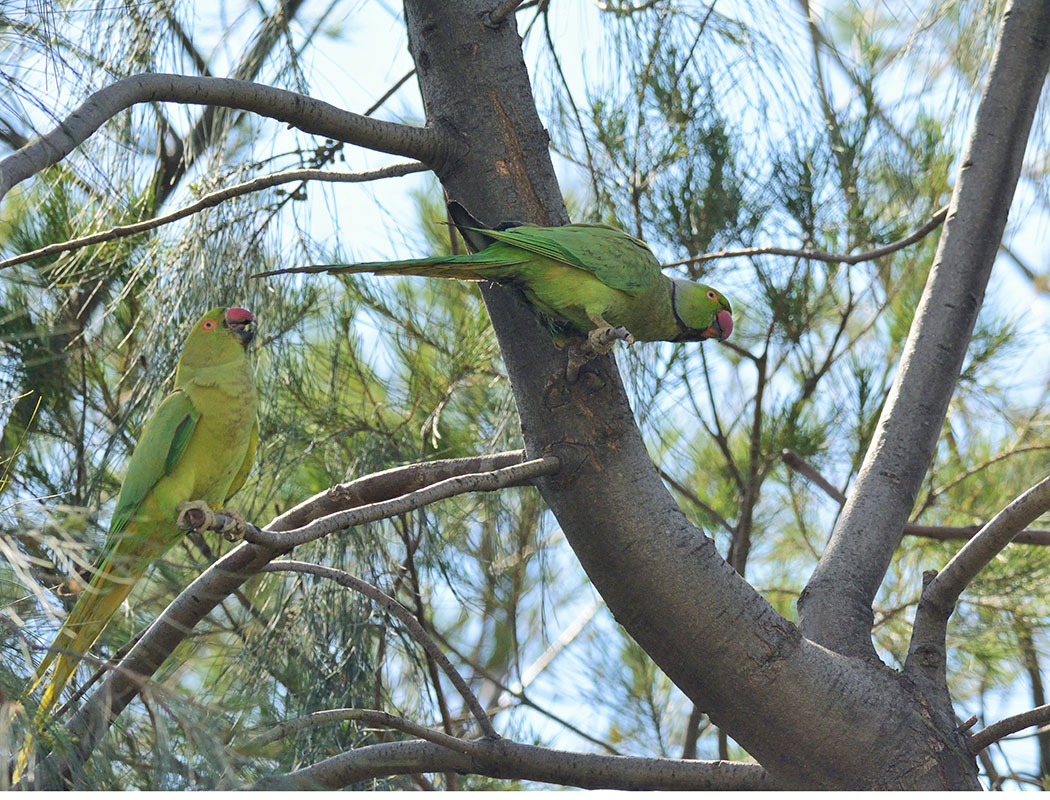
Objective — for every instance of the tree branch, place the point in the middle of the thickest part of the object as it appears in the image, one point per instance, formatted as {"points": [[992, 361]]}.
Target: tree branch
{"points": [[211, 587], [213, 199], [941, 592], [823, 255], [299, 111], [514, 761], [835, 608], [390, 483], [943, 533], [516, 475], [379, 719], [417, 631], [1004, 727]]}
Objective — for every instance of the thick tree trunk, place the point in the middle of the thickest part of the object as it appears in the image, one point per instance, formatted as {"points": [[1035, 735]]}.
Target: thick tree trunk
{"points": [[812, 717]]}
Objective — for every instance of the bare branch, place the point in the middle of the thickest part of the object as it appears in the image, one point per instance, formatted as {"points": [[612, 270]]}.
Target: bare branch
{"points": [[835, 607], [1004, 727], [822, 255], [942, 533], [945, 533], [943, 591], [379, 719], [417, 631], [300, 111], [509, 760], [927, 657], [515, 475], [213, 199], [803, 467], [390, 483]]}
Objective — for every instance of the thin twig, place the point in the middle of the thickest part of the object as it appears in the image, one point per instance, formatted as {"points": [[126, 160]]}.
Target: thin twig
{"points": [[821, 255], [407, 619], [389, 93], [942, 533], [801, 466], [1004, 727], [524, 700], [213, 199], [377, 718]]}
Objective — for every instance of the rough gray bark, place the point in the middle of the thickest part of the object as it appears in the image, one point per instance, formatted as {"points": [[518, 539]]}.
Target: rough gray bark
{"points": [[812, 717], [835, 608]]}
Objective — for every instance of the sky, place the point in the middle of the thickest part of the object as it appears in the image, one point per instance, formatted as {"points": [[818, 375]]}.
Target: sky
{"points": [[378, 220]]}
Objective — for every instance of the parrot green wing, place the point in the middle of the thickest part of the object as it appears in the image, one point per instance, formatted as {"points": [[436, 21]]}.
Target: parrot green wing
{"points": [[614, 257], [162, 443]]}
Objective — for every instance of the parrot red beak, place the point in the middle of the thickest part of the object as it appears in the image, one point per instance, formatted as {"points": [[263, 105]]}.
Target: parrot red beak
{"points": [[724, 323], [240, 321], [720, 328]]}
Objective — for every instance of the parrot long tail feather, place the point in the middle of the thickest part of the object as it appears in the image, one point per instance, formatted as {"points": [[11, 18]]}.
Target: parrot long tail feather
{"points": [[459, 267], [80, 630], [82, 627]]}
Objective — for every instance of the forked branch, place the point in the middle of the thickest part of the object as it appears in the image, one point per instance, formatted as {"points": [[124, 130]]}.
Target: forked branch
{"points": [[220, 580], [503, 758], [1004, 727], [297, 110], [822, 255], [213, 199], [502, 478], [943, 591]]}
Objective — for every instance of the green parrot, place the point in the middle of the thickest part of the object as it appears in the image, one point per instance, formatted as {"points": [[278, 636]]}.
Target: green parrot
{"points": [[586, 279], [198, 445]]}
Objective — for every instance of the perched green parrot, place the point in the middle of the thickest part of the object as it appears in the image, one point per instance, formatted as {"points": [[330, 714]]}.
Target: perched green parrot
{"points": [[198, 445], [590, 280]]}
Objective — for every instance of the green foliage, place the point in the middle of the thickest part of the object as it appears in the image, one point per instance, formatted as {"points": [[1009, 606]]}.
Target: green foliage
{"points": [[706, 133]]}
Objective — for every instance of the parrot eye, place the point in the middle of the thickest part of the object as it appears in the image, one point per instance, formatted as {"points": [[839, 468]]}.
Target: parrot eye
{"points": [[712, 295], [208, 324]]}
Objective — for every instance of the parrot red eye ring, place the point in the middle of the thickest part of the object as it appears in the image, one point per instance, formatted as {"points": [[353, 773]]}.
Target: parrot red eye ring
{"points": [[208, 324]]}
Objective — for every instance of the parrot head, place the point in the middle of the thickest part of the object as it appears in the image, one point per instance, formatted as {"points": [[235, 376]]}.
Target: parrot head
{"points": [[703, 312], [220, 336]]}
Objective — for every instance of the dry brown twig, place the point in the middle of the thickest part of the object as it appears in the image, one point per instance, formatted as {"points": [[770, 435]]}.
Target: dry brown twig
{"points": [[822, 255]]}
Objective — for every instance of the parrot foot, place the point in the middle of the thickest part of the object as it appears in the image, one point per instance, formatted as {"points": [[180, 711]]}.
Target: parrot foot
{"points": [[235, 528], [602, 339], [194, 515], [598, 342]]}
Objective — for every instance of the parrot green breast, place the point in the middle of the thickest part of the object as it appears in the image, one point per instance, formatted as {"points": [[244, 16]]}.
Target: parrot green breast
{"points": [[223, 403]]}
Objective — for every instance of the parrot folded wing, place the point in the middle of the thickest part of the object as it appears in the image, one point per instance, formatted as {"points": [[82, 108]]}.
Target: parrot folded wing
{"points": [[161, 445], [164, 438], [614, 257]]}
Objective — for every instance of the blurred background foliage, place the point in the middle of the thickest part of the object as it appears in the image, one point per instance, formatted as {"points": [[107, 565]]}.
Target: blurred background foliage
{"points": [[698, 128]]}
